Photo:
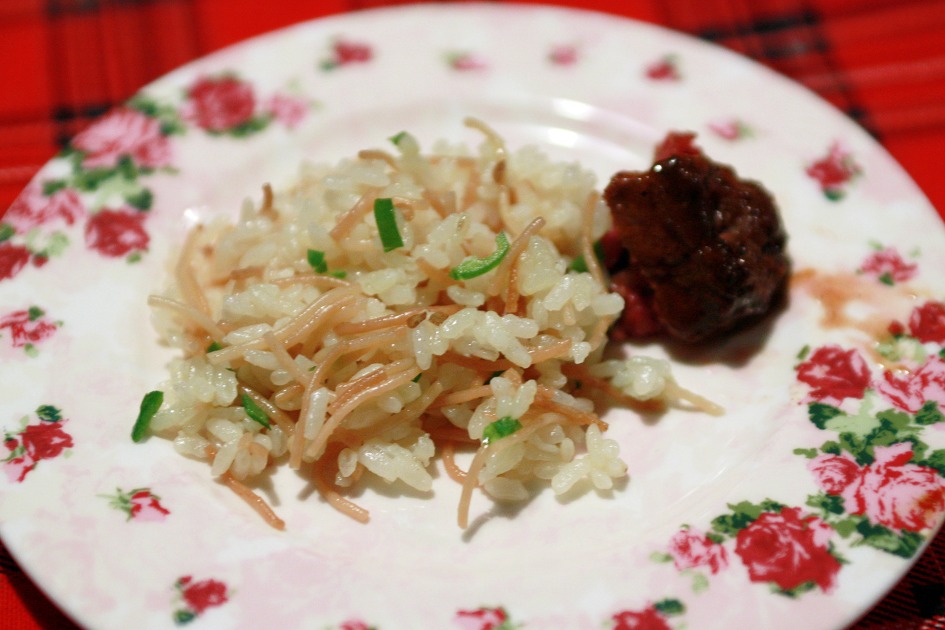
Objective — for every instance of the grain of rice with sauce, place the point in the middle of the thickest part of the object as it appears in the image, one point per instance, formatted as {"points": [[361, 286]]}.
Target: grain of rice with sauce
{"points": [[304, 343]]}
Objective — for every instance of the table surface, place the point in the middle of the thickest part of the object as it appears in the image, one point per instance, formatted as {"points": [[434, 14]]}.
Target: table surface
{"points": [[881, 62]]}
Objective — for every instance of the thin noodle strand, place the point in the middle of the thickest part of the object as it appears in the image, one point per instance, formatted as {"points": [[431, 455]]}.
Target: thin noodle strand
{"points": [[377, 154], [368, 341], [197, 317], [350, 218], [469, 484], [410, 412], [587, 247], [335, 500], [312, 279], [317, 445], [185, 277], [284, 358], [333, 299], [464, 396], [395, 319], [699, 402], [253, 500], [448, 453], [502, 282]]}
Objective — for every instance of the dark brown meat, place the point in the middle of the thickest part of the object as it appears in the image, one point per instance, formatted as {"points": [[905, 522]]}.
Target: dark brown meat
{"points": [[706, 250]]}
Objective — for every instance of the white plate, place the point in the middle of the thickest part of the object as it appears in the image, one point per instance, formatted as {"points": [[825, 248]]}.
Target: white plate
{"points": [[795, 509]]}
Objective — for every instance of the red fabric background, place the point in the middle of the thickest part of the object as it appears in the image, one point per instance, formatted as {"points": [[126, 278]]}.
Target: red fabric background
{"points": [[64, 62]]}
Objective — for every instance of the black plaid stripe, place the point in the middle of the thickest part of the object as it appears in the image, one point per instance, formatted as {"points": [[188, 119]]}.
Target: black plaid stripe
{"points": [[7, 565], [791, 41], [85, 77]]}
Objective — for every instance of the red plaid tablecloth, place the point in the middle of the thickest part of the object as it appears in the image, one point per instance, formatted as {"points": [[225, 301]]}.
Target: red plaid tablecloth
{"points": [[64, 62]]}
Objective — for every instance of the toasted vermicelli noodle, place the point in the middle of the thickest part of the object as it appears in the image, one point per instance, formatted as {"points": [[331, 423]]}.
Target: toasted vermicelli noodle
{"points": [[345, 336]]}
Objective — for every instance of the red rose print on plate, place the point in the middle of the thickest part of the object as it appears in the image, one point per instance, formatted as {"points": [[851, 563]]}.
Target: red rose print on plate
{"points": [[345, 52], [563, 55], [287, 109], [789, 549], [911, 390], [927, 322], [835, 374], [220, 104], [466, 61], [664, 69], [27, 328], [834, 171], [198, 597], [227, 104], [835, 473], [35, 442], [891, 491], [483, 619], [34, 209], [139, 505], [117, 233], [651, 617], [646, 619], [12, 259], [888, 266], [123, 132], [690, 548], [732, 129]]}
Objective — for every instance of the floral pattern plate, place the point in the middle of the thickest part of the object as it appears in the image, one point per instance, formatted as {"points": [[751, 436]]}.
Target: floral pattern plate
{"points": [[801, 506]]}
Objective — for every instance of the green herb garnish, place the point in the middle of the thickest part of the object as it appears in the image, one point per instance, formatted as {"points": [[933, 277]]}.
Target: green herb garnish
{"points": [[579, 264], [317, 260], [150, 404], [472, 267], [254, 412], [505, 426], [387, 224], [396, 138], [213, 347]]}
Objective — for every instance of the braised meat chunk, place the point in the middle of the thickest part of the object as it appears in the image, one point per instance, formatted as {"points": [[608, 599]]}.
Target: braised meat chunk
{"points": [[705, 250]]}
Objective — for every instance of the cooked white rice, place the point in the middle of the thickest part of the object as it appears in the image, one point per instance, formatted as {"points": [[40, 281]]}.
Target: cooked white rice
{"points": [[388, 398]]}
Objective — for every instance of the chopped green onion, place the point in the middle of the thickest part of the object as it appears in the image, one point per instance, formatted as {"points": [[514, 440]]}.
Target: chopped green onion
{"points": [[317, 260], [213, 347], [254, 412], [387, 224], [395, 139], [416, 379], [504, 426], [472, 267], [150, 404]]}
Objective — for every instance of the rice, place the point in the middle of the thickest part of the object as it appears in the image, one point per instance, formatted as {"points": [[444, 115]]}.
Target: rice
{"points": [[366, 362]]}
